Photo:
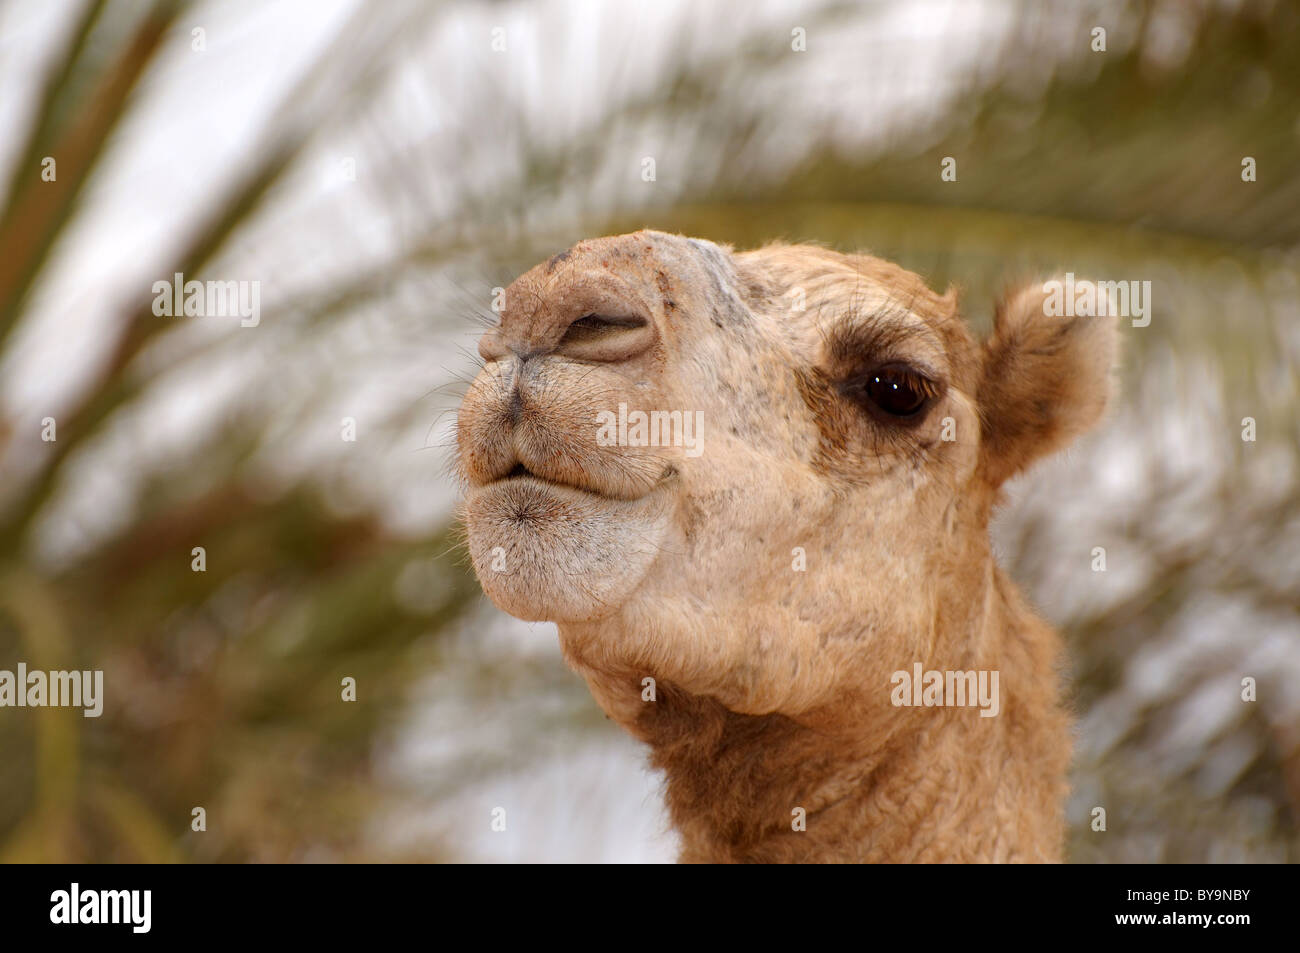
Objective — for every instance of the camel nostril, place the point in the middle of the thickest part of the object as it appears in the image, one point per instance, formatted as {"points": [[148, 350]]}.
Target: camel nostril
{"points": [[603, 324], [607, 337]]}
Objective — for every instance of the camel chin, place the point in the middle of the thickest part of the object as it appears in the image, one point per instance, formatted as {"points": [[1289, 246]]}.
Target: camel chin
{"points": [[548, 552]]}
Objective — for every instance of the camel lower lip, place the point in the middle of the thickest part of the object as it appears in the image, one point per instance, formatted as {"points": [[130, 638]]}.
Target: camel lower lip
{"points": [[552, 551], [532, 479], [530, 501]]}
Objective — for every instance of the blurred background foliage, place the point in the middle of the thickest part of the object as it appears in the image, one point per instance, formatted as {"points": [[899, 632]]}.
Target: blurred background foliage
{"points": [[399, 171]]}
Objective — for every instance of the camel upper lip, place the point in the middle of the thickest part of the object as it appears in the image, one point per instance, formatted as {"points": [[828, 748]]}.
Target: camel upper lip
{"points": [[521, 471]]}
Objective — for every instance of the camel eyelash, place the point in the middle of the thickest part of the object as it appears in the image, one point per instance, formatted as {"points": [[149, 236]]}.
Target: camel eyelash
{"points": [[860, 346]]}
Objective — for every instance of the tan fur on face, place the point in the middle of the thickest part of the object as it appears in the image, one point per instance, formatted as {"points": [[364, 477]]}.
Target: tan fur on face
{"points": [[773, 683]]}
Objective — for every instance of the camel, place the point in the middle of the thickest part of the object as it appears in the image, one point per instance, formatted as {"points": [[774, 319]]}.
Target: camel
{"points": [[782, 613]]}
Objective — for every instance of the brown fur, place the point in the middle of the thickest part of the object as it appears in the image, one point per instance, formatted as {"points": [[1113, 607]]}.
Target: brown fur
{"points": [[772, 684]]}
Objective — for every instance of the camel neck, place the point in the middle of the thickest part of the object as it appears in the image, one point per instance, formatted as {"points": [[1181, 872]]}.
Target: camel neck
{"points": [[766, 788], [877, 777]]}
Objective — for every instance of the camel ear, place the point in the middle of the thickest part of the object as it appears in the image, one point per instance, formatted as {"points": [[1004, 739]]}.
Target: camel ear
{"points": [[1045, 378]]}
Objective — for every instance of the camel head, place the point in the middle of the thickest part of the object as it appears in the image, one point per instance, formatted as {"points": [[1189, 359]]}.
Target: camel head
{"points": [[764, 477]]}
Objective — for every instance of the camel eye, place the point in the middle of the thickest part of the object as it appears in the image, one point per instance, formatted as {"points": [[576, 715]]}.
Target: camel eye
{"points": [[898, 390]]}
